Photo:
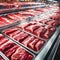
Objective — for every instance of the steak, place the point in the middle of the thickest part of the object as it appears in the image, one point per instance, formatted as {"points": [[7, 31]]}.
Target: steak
{"points": [[14, 33], [20, 54], [10, 51], [6, 46], [31, 28], [28, 40], [38, 45], [9, 31], [21, 36], [32, 44]]}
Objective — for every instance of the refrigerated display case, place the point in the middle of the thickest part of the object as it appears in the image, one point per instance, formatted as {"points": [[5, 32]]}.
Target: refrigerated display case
{"points": [[37, 19]]}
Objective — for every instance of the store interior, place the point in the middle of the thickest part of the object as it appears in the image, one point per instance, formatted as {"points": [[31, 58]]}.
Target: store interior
{"points": [[29, 29]]}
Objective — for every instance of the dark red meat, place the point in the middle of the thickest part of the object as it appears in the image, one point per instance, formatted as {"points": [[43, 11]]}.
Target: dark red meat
{"points": [[38, 45], [10, 51], [9, 31], [3, 40], [31, 28], [47, 34], [6, 20], [20, 54], [52, 23], [40, 31], [6, 46], [32, 44], [28, 40], [14, 33], [20, 37]]}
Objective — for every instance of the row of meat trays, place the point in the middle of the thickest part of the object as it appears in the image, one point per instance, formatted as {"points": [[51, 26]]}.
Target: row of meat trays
{"points": [[14, 51], [32, 35], [20, 16]]}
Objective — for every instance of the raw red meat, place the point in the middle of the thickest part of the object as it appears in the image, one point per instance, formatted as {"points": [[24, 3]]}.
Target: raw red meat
{"points": [[20, 37], [53, 29], [47, 27], [17, 17], [10, 51], [6, 46], [2, 24], [32, 44], [31, 28], [9, 31], [27, 14], [6, 20], [3, 40], [40, 31], [38, 45], [12, 16], [24, 25], [44, 21], [47, 34], [28, 40], [20, 54], [14, 33], [30, 57], [21, 16], [52, 23]]}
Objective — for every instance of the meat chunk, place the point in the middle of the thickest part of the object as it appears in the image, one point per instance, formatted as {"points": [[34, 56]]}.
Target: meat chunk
{"points": [[6, 46], [14, 33], [9, 31], [27, 14], [32, 44], [10, 51], [30, 57], [40, 31], [47, 34], [52, 23], [31, 28], [12, 16], [21, 36], [20, 54], [3, 40], [44, 21], [17, 17], [28, 40], [38, 45], [24, 25], [6, 20]]}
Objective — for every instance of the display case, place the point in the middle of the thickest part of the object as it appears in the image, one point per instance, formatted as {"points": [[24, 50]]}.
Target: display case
{"points": [[44, 18]]}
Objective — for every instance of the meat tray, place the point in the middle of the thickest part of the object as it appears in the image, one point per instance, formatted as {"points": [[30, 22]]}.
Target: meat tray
{"points": [[10, 50], [28, 36]]}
